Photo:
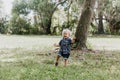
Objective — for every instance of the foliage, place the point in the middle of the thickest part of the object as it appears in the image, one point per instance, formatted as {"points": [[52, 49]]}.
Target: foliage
{"points": [[44, 11], [70, 25], [20, 7], [4, 26], [112, 10], [20, 25]]}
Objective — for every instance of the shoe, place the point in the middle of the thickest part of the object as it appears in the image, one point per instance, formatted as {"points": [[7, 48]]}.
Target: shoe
{"points": [[56, 64]]}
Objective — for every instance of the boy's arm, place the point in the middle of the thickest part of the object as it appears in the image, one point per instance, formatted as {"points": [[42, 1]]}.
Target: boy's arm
{"points": [[56, 45]]}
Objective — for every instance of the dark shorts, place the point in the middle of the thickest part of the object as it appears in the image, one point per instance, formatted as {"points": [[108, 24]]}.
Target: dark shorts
{"points": [[65, 56]]}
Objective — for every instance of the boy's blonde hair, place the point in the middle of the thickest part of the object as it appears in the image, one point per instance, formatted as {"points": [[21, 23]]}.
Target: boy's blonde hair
{"points": [[66, 30]]}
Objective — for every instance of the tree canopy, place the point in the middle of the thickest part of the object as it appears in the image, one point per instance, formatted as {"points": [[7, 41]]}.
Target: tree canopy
{"points": [[52, 16]]}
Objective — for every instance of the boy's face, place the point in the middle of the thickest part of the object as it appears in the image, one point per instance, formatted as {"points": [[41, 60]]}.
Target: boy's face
{"points": [[66, 34]]}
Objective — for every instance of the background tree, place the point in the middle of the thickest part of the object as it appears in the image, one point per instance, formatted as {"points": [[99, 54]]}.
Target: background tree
{"points": [[3, 20], [19, 22], [111, 13], [72, 11], [20, 25], [52, 16], [100, 16], [84, 23], [45, 9], [20, 7]]}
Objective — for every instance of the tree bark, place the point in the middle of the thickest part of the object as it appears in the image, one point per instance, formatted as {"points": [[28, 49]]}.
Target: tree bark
{"points": [[83, 24], [48, 26], [100, 17], [100, 24], [68, 15]]}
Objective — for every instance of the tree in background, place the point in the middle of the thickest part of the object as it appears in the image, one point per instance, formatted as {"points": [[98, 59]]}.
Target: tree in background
{"points": [[45, 9], [19, 24], [112, 15], [72, 10], [83, 24], [20, 7], [100, 16], [44, 13], [3, 20]]}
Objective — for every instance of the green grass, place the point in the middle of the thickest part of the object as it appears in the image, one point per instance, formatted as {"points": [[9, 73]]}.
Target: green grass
{"points": [[37, 63], [98, 66]]}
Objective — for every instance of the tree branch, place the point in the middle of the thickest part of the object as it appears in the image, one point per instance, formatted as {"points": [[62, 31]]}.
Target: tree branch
{"points": [[70, 4], [99, 18], [59, 4]]}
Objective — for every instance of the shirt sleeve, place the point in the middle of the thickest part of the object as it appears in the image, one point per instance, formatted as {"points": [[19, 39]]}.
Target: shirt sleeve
{"points": [[70, 41], [60, 42]]}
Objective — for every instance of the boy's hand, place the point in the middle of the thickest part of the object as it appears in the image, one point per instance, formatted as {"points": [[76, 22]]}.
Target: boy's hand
{"points": [[56, 45], [74, 37]]}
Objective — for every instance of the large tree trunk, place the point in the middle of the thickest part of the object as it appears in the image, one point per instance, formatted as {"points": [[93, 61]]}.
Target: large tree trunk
{"points": [[100, 17], [83, 24]]}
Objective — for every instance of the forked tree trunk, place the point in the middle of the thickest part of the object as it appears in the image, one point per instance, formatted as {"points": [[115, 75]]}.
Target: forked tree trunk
{"points": [[83, 24], [100, 17], [47, 27], [100, 25]]}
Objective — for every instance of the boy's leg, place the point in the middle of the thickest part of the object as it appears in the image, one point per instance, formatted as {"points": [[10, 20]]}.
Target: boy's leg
{"points": [[57, 59], [66, 56], [65, 62]]}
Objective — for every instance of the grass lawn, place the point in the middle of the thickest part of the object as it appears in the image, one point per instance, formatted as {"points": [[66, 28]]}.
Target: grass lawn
{"points": [[33, 57]]}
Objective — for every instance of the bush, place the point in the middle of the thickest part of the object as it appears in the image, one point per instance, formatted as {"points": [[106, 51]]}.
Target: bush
{"points": [[20, 25], [4, 27]]}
